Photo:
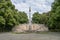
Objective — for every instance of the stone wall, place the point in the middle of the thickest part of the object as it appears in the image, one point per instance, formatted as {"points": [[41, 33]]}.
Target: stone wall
{"points": [[34, 27]]}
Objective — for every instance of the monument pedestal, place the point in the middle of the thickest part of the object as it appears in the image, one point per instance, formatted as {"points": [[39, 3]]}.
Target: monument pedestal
{"points": [[34, 28]]}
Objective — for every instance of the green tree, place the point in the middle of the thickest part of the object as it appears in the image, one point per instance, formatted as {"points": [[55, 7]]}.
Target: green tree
{"points": [[40, 18], [2, 23], [10, 16], [54, 19], [36, 17], [23, 18]]}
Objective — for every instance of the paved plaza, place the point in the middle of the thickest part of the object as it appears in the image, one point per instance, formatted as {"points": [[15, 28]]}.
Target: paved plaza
{"points": [[31, 36]]}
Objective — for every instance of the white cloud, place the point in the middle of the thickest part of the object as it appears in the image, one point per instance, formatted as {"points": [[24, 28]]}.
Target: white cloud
{"points": [[36, 5]]}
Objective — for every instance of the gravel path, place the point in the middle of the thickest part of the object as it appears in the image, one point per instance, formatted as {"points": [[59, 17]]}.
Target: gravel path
{"points": [[32, 36]]}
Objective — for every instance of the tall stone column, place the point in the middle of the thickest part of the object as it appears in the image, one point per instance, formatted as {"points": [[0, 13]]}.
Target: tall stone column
{"points": [[30, 19]]}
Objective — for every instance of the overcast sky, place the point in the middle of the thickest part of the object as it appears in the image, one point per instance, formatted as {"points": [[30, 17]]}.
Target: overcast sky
{"points": [[36, 5]]}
